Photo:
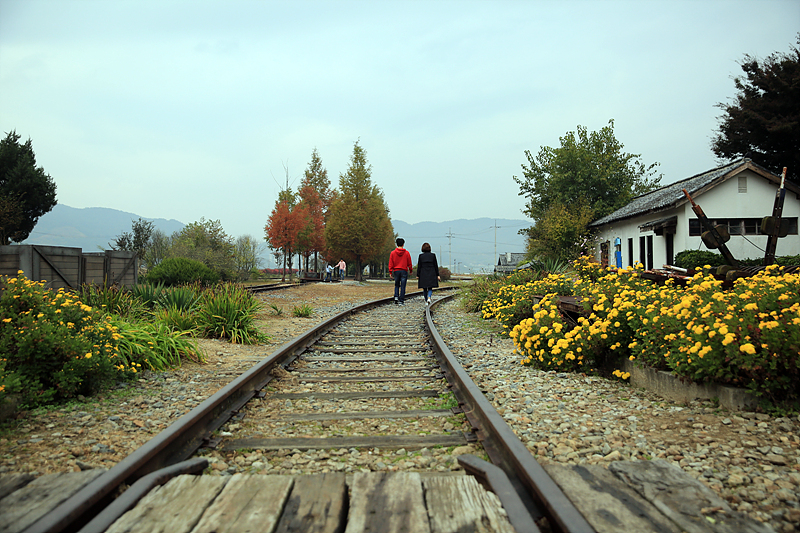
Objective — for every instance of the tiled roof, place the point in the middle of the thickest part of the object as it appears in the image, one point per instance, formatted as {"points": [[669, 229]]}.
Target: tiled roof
{"points": [[515, 258], [672, 195]]}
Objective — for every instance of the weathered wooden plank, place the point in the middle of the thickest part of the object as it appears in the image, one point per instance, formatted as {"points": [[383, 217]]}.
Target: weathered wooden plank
{"points": [[389, 503], [607, 503], [23, 507], [318, 504], [457, 504], [360, 415], [357, 395], [11, 482], [247, 503], [374, 441], [172, 508], [686, 501]]}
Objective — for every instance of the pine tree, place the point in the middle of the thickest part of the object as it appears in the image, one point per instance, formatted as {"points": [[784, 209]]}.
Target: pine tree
{"points": [[26, 191]]}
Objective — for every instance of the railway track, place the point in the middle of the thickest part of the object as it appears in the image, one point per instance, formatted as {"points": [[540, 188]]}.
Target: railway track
{"points": [[376, 377]]}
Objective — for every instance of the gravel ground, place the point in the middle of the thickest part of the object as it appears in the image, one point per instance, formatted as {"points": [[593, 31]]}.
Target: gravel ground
{"points": [[750, 459]]}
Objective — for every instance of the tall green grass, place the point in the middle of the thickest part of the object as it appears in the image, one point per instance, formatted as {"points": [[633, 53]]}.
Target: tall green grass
{"points": [[228, 311]]}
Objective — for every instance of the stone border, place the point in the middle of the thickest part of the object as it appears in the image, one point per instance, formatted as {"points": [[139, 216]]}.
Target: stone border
{"points": [[672, 388]]}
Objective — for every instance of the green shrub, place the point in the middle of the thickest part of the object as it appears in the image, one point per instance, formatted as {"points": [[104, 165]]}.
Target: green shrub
{"points": [[148, 293], [181, 271], [154, 346], [177, 319], [182, 298], [112, 300], [53, 346], [696, 259], [302, 311], [480, 290], [228, 311]]}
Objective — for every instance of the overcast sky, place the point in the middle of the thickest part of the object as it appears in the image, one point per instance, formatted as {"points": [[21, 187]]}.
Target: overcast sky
{"points": [[190, 109]]}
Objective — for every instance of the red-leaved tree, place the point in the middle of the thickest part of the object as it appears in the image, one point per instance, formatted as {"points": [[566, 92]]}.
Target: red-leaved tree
{"points": [[282, 229]]}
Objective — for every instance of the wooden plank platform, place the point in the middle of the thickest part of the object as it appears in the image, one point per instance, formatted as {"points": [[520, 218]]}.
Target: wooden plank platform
{"points": [[386, 502], [32, 499], [632, 496]]}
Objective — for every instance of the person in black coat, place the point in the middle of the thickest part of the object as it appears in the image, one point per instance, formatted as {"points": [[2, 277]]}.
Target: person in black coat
{"points": [[427, 272]]}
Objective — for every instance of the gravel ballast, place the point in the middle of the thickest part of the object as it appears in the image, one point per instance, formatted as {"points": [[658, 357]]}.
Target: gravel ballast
{"points": [[750, 459]]}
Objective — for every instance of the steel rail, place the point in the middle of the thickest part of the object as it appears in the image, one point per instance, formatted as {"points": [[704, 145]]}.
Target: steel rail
{"points": [[186, 435], [504, 448]]}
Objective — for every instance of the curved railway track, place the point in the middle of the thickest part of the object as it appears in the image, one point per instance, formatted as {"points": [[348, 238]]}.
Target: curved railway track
{"points": [[365, 378]]}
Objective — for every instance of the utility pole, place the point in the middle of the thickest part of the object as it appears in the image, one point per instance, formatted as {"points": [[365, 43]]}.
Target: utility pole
{"points": [[495, 241], [449, 246]]}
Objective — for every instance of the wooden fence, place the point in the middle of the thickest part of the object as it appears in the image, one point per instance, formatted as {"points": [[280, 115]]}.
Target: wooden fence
{"points": [[62, 267]]}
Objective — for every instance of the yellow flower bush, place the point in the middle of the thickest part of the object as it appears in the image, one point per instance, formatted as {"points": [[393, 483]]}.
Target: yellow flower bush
{"points": [[746, 335], [54, 346]]}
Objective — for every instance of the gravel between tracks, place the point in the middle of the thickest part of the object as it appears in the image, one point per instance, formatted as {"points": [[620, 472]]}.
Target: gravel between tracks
{"points": [[751, 459]]}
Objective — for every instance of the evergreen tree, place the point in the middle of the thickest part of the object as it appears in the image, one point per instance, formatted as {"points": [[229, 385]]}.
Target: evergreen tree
{"points": [[358, 221], [763, 120], [26, 191]]}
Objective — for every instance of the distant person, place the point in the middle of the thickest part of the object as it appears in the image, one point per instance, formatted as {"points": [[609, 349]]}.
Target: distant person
{"points": [[342, 266], [328, 272], [399, 268], [427, 272]]}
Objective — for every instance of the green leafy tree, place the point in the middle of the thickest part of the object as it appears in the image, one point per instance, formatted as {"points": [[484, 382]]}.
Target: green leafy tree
{"points": [[763, 120], [561, 233], [246, 255], [137, 240], [358, 221], [207, 242], [589, 169], [158, 249], [26, 191]]}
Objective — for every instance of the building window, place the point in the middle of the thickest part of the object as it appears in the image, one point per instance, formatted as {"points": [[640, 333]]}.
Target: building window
{"points": [[740, 226], [742, 184]]}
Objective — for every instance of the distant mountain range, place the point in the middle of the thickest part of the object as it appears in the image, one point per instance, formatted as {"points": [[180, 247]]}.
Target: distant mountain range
{"points": [[463, 245], [90, 228]]}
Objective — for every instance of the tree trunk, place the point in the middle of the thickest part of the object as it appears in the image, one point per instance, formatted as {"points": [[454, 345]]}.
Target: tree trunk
{"points": [[358, 267]]}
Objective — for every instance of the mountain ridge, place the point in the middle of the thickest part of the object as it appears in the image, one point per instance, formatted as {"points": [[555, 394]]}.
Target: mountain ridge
{"points": [[464, 245]]}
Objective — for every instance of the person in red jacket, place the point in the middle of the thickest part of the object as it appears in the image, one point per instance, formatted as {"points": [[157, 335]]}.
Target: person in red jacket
{"points": [[399, 268]]}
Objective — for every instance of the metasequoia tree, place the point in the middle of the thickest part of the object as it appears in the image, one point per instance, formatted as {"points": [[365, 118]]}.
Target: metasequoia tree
{"points": [[26, 191], [763, 120], [316, 194], [283, 227], [589, 169], [311, 237], [358, 220]]}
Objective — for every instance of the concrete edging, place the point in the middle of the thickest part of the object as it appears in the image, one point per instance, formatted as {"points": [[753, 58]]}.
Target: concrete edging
{"points": [[672, 388]]}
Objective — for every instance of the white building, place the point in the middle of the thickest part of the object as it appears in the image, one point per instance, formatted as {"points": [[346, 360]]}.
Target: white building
{"points": [[657, 225]]}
